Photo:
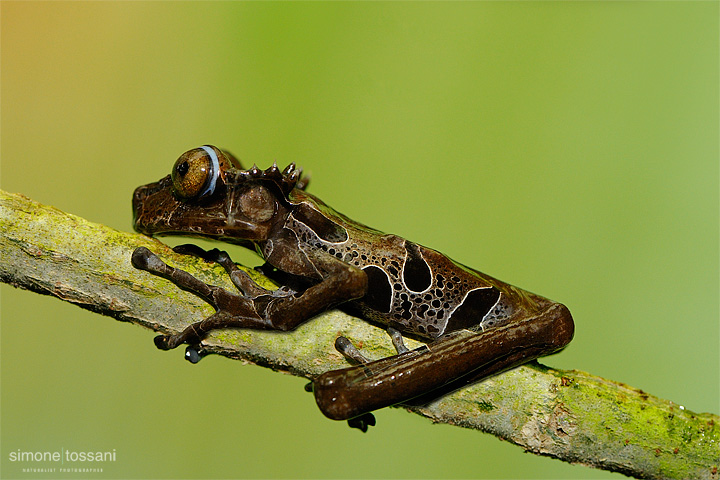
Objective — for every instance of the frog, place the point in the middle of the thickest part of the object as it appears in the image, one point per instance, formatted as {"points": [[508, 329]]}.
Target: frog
{"points": [[470, 325]]}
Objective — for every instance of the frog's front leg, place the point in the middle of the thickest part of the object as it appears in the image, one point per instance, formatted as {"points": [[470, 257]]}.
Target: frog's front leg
{"points": [[239, 277], [256, 307]]}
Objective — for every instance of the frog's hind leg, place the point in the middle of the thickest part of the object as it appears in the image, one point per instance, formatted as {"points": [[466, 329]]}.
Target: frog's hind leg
{"points": [[349, 351], [449, 362]]}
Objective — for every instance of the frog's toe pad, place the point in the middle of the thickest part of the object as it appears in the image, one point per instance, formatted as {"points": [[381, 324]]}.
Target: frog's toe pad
{"points": [[144, 259], [193, 354]]}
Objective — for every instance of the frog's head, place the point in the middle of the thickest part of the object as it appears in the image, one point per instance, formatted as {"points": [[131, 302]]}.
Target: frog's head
{"points": [[209, 194]]}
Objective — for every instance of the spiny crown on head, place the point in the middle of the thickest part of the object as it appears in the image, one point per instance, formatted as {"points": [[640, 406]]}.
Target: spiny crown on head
{"points": [[285, 180]]}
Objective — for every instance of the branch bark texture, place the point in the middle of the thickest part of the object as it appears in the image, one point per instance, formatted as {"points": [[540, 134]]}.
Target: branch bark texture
{"points": [[570, 415]]}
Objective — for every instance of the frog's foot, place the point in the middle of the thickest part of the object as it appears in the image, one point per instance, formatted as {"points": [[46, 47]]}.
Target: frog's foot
{"points": [[363, 422], [233, 310], [349, 351]]}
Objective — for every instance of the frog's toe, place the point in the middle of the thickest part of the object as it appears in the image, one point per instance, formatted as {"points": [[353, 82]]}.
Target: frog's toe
{"points": [[363, 422], [162, 342], [189, 249], [221, 256], [144, 259], [140, 257]]}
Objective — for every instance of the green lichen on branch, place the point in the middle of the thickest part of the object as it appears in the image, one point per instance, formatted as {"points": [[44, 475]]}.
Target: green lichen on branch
{"points": [[569, 415]]}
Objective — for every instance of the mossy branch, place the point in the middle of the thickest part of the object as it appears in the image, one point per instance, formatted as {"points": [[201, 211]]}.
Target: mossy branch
{"points": [[569, 415]]}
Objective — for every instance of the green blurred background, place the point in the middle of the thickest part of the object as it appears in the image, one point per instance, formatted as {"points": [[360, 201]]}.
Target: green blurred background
{"points": [[568, 148]]}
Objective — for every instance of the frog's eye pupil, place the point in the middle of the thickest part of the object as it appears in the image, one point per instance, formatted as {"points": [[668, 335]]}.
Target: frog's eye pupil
{"points": [[183, 168]]}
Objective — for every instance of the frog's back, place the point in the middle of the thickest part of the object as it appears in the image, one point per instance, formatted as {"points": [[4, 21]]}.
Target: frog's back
{"points": [[411, 287]]}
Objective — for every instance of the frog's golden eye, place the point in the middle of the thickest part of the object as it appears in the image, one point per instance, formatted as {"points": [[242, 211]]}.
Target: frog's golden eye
{"points": [[196, 172]]}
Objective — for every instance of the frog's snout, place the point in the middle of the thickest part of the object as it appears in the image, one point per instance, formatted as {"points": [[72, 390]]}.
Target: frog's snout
{"points": [[145, 199]]}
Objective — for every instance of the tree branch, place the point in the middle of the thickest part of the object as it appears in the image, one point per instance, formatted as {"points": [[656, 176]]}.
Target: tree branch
{"points": [[569, 415]]}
